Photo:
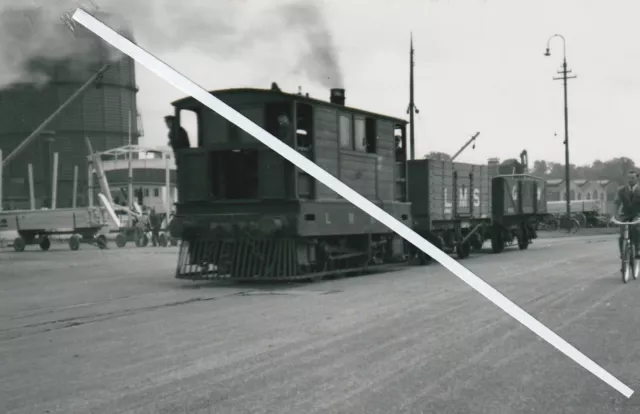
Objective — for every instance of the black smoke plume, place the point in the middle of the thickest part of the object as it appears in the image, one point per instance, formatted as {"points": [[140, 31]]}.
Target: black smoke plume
{"points": [[31, 31]]}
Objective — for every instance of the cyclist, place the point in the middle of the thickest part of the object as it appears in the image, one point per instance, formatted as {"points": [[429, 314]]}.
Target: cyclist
{"points": [[628, 208]]}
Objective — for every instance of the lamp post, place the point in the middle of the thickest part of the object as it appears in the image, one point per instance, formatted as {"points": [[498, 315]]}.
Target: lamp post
{"points": [[564, 72]]}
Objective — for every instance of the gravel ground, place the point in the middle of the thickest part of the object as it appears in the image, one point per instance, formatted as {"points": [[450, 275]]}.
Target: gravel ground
{"points": [[113, 332]]}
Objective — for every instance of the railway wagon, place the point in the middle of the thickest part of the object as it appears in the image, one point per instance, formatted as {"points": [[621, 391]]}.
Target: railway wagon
{"points": [[448, 201], [459, 206], [519, 205], [245, 213]]}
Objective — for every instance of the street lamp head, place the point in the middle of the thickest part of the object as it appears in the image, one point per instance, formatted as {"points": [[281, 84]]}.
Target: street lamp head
{"points": [[547, 53]]}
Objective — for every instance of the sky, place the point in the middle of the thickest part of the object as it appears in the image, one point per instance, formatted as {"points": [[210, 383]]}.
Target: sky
{"points": [[480, 66]]}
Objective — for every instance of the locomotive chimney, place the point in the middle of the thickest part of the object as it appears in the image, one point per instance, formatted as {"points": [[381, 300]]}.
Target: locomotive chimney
{"points": [[337, 96]]}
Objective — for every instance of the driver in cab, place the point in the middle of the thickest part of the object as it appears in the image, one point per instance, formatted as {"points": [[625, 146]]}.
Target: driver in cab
{"points": [[628, 208]]}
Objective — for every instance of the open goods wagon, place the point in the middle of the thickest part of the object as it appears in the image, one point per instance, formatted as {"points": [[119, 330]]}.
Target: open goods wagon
{"points": [[82, 225], [458, 206]]}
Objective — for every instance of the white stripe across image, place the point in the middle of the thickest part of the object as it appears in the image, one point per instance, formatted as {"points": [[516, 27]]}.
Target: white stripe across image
{"points": [[188, 87]]}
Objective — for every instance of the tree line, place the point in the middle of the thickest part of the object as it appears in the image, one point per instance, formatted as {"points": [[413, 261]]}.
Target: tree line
{"points": [[614, 169]]}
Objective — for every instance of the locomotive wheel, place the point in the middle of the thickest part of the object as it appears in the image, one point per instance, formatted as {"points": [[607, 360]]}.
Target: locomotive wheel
{"points": [[497, 240], [45, 243], [121, 240], [19, 244], [463, 250]]}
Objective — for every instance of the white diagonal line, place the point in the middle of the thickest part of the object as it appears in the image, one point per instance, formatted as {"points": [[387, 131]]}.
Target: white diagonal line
{"points": [[185, 85]]}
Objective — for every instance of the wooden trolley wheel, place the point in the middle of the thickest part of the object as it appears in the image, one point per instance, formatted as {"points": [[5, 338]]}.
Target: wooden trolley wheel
{"points": [[19, 244], [74, 242], [45, 243], [102, 242], [121, 240]]}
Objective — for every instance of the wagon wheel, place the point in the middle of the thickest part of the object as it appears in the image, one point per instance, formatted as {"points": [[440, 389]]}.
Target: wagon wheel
{"points": [[476, 241], [45, 243], [423, 258], [101, 242], [121, 240], [497, 240], [74, 242], [19, 244], [522, 237], [463, 250], [141, 238]]}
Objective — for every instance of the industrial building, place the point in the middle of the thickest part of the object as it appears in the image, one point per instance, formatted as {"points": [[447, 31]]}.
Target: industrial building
{"points": [[106, 112]]}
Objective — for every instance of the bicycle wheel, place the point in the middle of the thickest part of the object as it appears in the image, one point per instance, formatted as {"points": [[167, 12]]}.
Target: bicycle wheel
{"points": [[635, 263], [626, 262]]}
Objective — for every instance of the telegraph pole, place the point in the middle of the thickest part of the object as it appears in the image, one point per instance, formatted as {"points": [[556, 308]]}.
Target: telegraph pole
{"points": [[412, 107], [564, 78]]}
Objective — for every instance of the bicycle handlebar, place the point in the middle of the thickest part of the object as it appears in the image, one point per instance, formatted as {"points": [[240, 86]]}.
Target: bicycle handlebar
{"points": [[625, 223]]}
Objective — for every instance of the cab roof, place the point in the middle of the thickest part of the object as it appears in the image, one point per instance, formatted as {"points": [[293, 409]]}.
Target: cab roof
{"points": [[276, 93]]}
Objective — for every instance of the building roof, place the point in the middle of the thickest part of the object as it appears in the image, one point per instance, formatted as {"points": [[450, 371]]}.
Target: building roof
{"points": [[580, 183]]}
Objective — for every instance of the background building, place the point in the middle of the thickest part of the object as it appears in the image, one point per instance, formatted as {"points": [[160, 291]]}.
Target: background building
{"points": [[107, 113], [149, 173], [586, 191]]}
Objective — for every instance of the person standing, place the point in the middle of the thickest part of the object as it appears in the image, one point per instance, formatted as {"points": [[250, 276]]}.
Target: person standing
{"points": [[177, 141], [155, 220]]}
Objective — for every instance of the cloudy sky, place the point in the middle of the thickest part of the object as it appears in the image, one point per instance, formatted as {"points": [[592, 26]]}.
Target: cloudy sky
{"points": [[479, 65]]}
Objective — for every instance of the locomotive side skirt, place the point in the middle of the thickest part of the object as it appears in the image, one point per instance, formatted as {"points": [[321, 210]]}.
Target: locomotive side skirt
{"points": [[301, 241]]}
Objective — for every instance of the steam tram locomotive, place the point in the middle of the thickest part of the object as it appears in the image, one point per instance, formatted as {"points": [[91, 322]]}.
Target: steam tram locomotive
{"points": [[246, 213]]}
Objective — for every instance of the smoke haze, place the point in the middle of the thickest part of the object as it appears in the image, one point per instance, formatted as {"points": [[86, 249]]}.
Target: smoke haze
{"points": [[33, 30]]}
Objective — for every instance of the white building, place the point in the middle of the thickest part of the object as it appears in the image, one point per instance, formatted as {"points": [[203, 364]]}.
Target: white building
{"points": [[150, 173], [585, 193]]}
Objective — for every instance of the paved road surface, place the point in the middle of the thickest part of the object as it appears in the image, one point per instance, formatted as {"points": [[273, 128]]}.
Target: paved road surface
{"points": [[112, 332]]}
